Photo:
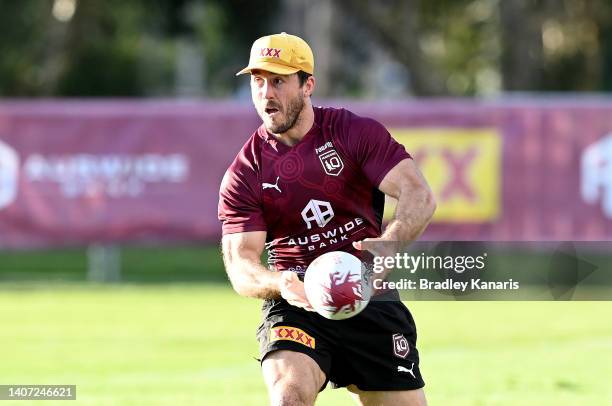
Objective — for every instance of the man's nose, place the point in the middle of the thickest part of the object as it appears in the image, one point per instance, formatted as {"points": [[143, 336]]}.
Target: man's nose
{"points": [[267, 91]]}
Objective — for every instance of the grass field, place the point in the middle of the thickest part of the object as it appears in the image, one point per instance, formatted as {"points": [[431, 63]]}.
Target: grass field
{"points": [[181, 344]]}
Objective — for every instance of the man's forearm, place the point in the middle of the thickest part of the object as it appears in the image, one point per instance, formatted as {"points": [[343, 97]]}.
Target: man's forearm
{"points": [[412, 215], [252, 279]]}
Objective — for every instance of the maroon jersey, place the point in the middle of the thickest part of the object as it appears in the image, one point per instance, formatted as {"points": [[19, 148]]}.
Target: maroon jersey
{"points": [[317, 196]]}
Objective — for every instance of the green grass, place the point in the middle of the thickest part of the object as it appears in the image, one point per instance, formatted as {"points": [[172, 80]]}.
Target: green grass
{"points": [[194, 344], [142, 264]]}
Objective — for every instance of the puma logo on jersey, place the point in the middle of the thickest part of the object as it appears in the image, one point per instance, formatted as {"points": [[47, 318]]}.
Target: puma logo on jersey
{"points": [[271, 185], [404, 369]]}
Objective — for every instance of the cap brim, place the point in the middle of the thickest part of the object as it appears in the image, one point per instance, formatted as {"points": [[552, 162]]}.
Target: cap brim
{"points": [[269, 67]]}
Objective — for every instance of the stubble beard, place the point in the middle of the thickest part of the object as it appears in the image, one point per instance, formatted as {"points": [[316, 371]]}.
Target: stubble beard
{"points": [[294, 108]]}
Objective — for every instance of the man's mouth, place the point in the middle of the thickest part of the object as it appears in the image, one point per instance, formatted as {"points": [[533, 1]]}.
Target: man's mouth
{"points": [[271, 110]]}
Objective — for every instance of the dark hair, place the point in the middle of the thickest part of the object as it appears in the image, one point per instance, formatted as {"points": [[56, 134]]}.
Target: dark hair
{"points": [[303, 77]]}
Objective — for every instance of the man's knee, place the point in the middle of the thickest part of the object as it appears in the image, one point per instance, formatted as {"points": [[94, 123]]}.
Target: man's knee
{"points": [[292, 378], [388, 398], [288, 392]]}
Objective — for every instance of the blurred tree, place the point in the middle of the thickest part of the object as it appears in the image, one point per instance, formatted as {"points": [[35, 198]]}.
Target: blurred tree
{"points": [[448, 47], [102, 49], [23, 64], [605, 34], [226, 30], [521, 37], [467, 47], [575, 36], [461, 39], [124, 48], [194, 47], [554, 44], [396, 25]]}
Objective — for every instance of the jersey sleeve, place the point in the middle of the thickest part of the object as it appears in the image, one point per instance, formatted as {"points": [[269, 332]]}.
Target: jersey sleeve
{"points": [[240, 208], [374, 149]]}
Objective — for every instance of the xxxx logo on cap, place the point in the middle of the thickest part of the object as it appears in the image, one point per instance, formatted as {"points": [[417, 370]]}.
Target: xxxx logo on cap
{"points": [[273, 52], [280, 53]]}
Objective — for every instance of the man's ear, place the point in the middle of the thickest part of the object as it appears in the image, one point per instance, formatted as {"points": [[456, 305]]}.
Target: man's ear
{"points": [[309, 86]]}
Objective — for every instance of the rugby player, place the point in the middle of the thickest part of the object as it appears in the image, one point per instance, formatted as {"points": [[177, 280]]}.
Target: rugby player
{"points": [[308, 181]]}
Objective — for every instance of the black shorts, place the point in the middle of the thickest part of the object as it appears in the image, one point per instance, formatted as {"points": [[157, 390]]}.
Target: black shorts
{"points": [[375, 350]]}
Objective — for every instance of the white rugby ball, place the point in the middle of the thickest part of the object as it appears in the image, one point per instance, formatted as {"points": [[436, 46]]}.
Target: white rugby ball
{"points": [[337, 285]]}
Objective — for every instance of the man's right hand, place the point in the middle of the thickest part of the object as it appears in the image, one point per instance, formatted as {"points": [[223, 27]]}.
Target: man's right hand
{"points": [[292, 290]]}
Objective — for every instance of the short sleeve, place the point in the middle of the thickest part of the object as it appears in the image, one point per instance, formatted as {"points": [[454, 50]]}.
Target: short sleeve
{"points": [[239, 204], [374, 148]]}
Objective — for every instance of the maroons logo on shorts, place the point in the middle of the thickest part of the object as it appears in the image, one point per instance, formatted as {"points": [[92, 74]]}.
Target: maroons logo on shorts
{"points": [[294, 334], [401, 348]]}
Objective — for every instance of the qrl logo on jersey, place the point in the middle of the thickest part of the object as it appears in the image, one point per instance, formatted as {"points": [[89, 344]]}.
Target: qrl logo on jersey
{"points": [[317, 211], [331, 161], [400, 346]]}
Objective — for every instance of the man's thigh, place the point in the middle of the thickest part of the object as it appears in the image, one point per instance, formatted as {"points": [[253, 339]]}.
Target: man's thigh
{"points": [[379, 352], [292, 377], [388, 398]]}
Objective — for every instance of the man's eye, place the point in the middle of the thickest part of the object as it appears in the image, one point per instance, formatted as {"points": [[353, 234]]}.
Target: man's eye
{"points": [[278, 81]]}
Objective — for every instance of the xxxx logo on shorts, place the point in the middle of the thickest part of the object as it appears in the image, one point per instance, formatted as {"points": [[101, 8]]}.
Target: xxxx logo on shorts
{"points": [[291, 334]]}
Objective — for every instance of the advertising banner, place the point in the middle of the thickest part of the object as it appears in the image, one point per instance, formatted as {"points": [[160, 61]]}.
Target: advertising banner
{"points": [[79, 172], [534, 169], [76, 173]]}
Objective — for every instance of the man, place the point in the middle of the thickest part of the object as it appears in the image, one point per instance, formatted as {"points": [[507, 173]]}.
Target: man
{"points": [[308, 181]]}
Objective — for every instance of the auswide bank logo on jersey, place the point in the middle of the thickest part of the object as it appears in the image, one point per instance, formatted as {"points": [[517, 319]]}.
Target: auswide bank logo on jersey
{"points": [[320, 212], [317, 211], [463, 168]]}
